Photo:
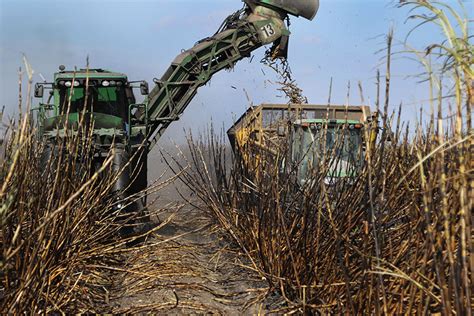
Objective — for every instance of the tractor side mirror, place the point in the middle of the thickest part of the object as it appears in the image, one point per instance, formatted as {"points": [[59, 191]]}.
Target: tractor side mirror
{"points": [[39, 90], [144, 88]]}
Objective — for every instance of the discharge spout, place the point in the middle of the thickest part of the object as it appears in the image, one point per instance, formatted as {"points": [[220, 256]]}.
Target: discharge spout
{"points": [[304, 8]]}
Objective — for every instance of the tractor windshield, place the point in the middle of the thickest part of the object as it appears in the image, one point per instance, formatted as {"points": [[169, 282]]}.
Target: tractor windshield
{"points": [[341, 147], [105, 100]]}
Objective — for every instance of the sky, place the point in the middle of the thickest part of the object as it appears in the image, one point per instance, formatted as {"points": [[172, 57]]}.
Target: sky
{"points": [[344, 42]]}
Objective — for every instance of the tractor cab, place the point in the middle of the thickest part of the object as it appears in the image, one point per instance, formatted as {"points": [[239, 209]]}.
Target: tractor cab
{"points": [[106, 96], [102, 96], [338, 143]]}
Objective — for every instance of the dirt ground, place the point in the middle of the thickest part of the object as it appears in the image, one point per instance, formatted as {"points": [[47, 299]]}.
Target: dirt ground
{"points": [[187, 268], [190, 269]]}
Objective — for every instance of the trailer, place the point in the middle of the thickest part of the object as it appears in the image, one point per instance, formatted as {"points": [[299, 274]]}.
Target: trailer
{"points": [[308, 131]]}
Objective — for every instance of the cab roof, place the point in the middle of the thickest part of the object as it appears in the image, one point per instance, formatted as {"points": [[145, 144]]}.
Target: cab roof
{"points": [[91, 73]]}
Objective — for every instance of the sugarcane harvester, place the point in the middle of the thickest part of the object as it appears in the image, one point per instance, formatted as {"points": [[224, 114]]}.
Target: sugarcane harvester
{"points": [[134, 129]]}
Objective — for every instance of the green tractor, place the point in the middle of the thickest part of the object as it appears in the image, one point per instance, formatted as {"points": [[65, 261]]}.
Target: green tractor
{"points": [[104, 100]]}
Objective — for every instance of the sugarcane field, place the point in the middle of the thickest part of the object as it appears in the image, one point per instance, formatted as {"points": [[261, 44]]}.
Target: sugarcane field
{"points": [[238, 157]]}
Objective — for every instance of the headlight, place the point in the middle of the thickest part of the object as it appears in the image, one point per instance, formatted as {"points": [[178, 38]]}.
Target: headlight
{"points": [[330, 181], [68, 84], [105, 83]]}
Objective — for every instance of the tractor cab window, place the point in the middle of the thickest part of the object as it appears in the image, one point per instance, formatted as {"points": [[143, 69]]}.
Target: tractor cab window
{"points": [[105, 100], [342, 146], [345, 144]]}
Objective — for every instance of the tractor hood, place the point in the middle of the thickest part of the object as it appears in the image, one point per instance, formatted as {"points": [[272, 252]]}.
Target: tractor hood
{"points": [[304, 8]]}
